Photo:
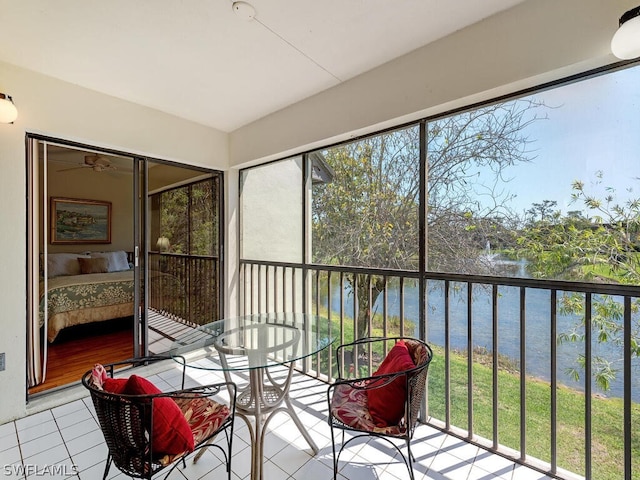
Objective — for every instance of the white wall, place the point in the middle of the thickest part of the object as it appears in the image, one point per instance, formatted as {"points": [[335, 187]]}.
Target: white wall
{"points": [[63, 110], [534, 42], [272, 209]]}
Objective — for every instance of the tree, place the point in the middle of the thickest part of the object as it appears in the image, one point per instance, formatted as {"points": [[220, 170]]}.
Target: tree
{"points": [[188, 217], [601, 245], [469, 156], [545, 211], [367, 215]]}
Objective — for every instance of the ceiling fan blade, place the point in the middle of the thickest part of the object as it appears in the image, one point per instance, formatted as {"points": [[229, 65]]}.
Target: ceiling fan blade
{"points": [[99, 167], [72, 168], [91, 160]]}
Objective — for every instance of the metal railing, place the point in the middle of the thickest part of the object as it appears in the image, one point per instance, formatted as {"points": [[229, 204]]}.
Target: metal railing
{"points": [[184, 287], [497, 343]]}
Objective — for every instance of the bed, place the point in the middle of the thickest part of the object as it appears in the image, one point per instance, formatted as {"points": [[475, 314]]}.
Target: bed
{"points": [[85, 288]]}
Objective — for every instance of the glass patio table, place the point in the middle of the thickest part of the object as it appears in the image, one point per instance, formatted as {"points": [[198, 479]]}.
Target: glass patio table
{"points": [[256, 344]]}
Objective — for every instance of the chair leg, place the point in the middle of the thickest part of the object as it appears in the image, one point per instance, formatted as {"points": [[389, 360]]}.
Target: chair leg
{"points": [[411, 459], [198, 455], [227, 453], [229, 437], [333, 447], [106, 467]]}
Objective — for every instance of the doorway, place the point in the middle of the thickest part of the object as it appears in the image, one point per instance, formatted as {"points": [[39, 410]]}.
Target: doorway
{"points": [[183, 255], [99, 288]]}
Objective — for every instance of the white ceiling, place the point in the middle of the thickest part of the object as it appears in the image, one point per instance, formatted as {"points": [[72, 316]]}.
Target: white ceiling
{"points": [[198, 60]]}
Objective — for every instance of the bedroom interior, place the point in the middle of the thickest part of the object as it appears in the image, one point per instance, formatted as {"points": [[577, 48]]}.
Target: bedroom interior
{"points": [[89, 226]]}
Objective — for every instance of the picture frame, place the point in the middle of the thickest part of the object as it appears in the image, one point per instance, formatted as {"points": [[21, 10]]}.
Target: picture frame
{"points": [[77, 221]]}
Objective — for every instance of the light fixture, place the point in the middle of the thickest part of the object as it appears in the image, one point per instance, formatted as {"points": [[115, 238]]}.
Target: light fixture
{"points": [[626, 41], [244, 10], [163, 244], [8, 111]]}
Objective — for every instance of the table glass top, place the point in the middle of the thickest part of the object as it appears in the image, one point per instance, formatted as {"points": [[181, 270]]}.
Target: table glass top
{"points": [[256, 341]]}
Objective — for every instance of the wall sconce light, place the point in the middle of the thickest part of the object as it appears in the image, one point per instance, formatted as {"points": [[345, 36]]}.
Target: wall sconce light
{"points": [[8, 111], [163, 244], [625, 43]]}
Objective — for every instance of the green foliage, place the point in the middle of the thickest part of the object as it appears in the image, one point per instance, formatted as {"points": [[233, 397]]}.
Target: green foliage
{"points": [[189, 219], [599, 245], [607, 234], [368, 214]]}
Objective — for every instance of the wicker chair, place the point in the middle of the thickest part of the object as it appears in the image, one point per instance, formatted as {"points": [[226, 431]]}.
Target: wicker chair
{"points": [[127, 421], [348, 397]]}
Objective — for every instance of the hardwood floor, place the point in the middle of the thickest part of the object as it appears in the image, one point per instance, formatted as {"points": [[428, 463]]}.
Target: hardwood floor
{"points": [[77, 349]]}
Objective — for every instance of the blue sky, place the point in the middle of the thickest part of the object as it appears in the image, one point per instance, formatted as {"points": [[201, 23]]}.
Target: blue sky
{"points": [[594, 126]]}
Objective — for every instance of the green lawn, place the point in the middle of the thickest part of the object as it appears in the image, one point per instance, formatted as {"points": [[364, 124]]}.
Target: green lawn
{"points": [[606, 417]]}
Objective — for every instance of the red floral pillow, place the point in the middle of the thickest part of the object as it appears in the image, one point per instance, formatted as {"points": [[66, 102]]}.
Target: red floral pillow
{"points": [[171, 432], [386, 404]]}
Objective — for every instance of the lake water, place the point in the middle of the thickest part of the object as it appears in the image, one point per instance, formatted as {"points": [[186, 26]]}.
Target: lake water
{"points": [[537, 329]]}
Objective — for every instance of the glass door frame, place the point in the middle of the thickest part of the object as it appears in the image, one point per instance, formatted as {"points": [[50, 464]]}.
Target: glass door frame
{"points": [[37, 216]]}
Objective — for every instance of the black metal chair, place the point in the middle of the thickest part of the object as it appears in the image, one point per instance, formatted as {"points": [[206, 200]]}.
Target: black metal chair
{"points": [[127, 421], [348, 396]]}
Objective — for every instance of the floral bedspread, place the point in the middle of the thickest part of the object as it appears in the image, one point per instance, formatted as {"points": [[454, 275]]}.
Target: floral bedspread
{"points": [[79, 292]]}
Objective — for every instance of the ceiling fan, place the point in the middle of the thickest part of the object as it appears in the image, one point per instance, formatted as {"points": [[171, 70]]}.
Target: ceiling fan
{"points": [[95, 162]]}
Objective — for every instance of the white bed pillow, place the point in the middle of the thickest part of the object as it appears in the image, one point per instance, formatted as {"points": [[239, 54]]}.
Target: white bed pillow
{"points": [[117, 260], [59, 264]]}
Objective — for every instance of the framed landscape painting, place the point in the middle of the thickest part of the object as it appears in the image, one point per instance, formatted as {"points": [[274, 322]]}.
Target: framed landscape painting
{"points": [[80, 221]]}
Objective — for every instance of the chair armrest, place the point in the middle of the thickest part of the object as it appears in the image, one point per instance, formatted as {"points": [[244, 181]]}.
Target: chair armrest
{"points": [[110, 368], [346, 350], [203, 391], [369, 383]]}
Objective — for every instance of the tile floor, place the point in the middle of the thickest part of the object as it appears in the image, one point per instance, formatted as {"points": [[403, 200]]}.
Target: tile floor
{"points": [[65, 442]]}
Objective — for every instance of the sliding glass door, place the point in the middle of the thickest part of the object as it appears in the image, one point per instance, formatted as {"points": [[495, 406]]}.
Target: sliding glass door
{"points": [[123, 256], [183, 245], [81, 242]]}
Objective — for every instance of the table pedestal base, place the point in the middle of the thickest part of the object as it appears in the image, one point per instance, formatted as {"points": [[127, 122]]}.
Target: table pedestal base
{"points": [[261, 399]]}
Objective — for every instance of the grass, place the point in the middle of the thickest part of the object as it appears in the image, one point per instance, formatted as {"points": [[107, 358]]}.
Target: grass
{"points": [[607, 448], [607, 417]]}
